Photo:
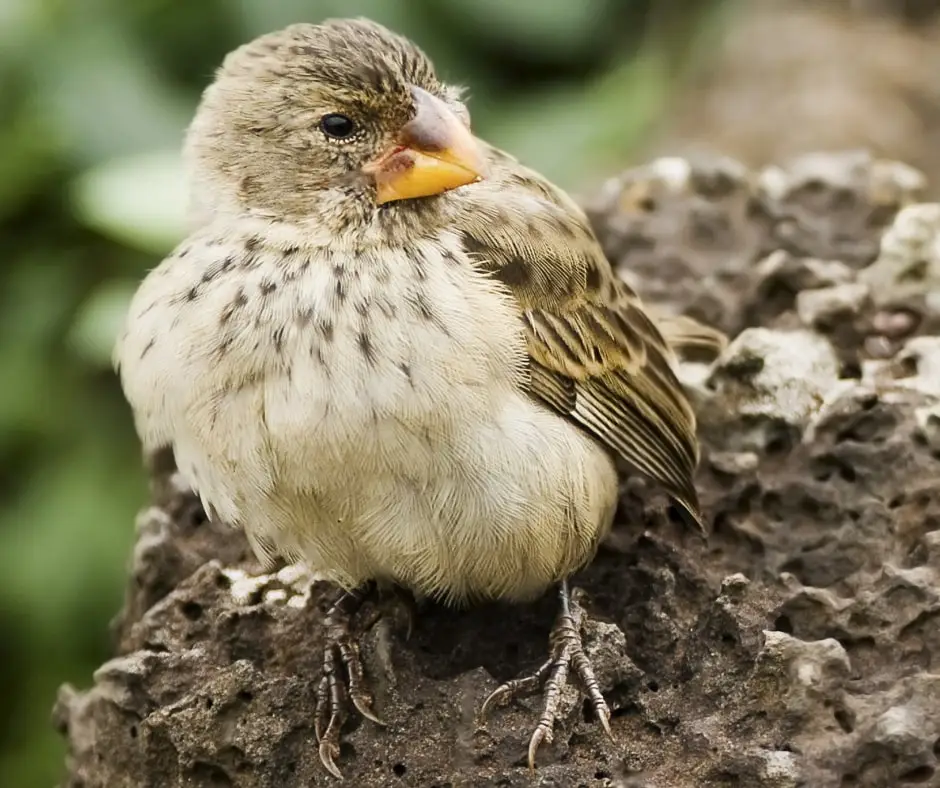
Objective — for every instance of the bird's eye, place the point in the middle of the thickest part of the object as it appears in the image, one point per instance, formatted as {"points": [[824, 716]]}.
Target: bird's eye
{"points": [[337, 126]]}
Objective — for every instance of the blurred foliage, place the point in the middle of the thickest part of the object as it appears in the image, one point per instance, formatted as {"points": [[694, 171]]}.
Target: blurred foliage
{"points": [[94, 97]]}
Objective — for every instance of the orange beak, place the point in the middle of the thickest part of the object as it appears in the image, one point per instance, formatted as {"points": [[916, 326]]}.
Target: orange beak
{"points": [[434, 152]]}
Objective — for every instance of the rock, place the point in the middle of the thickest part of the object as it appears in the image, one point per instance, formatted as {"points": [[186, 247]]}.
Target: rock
{"points": [[829, 305], [908, 266], [694, 233], [767, 384], [798, 645]]}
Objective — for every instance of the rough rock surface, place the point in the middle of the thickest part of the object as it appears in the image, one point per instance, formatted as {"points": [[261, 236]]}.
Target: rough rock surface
{"points": [[798, 646]]}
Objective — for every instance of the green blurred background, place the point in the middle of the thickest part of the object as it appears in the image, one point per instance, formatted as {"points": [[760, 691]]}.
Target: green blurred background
{"points": [[94, 98]]}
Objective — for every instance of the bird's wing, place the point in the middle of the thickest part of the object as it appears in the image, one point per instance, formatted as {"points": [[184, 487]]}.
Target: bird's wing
{"points": [[595, 354]]}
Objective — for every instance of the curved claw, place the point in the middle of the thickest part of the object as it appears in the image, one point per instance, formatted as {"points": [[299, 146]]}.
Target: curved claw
{"points": [[496, 695], [328, 751], [366, 710], [334, 691], [604, 716], [541, 734], [408, 607], [349, 654], [583, 667]]}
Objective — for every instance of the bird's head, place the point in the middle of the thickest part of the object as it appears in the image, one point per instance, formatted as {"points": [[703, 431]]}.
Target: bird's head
{"points": [[331, 122]]}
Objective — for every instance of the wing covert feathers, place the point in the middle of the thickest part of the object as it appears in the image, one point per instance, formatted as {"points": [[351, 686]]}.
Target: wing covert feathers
{"points": [[596, 356]]}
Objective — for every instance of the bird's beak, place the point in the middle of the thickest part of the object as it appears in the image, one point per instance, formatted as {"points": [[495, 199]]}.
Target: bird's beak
{"points": [[433, 152]]}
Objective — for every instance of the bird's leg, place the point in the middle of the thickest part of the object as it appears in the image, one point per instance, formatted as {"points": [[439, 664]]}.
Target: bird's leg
{"points": [[567, 653], [398, 604], [340, 651]]}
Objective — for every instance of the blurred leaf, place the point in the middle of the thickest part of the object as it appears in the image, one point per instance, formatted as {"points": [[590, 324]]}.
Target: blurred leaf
{"points": [[262, 16], [415, 19], [31, 749], [25, 406], [535, 28], [66, 539], [99, 321], [573, 133], [39, 288], [22, 174], [37, 294], [101, 95], [185, 41], [138, 200], [20, 20]]}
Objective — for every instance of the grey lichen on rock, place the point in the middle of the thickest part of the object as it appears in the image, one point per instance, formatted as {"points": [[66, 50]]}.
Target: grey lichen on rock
{"points": [[798, 646]]}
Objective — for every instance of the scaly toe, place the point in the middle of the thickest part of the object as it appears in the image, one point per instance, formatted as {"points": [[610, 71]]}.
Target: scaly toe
{"points": [[567, 656], [323, 708], [516, 688]]}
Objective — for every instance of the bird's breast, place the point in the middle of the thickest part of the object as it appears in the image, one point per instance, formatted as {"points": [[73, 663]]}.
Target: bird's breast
{"points": [[331, 359], [399, 337], [368, 414]]}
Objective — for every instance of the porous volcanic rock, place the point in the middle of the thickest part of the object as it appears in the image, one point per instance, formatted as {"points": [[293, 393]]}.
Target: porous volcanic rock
{"points": [[799, 645]]}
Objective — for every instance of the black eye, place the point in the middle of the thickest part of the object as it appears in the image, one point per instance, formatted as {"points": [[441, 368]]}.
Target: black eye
{"points": [[337, 126]]}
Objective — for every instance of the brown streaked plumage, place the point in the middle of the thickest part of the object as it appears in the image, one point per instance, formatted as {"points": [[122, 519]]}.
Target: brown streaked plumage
{"points": [[594, 354], [390, 351]]}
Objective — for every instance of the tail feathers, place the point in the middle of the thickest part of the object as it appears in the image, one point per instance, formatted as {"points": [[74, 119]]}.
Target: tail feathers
{"points": [[688, 338]]}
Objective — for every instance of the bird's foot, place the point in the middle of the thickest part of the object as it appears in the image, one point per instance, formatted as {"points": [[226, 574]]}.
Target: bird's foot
{"points": [[552, 676], [340, 652]]}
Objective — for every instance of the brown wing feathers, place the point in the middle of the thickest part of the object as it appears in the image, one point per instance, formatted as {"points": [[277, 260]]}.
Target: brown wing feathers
{"points": [[624, 393], [596, 356]]}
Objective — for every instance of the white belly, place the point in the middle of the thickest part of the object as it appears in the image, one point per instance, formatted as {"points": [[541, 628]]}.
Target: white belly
{"points": [[385, 434], [493, 502]]}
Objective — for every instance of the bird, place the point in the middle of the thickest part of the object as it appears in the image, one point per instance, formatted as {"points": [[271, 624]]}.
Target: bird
{"points": [[390, 351]]}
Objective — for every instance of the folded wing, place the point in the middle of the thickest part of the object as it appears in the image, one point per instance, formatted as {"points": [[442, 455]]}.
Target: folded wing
{"points": [[596, 355]]}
